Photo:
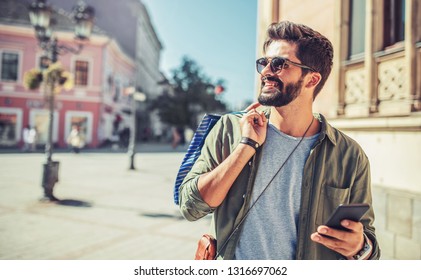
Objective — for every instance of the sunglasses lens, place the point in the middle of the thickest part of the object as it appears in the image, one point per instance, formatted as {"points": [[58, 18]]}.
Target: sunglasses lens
{"points": [[261, 63], [277, 63]]}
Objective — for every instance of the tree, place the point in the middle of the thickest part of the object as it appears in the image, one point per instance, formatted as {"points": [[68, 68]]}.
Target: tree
{"points": [[192, 95]]}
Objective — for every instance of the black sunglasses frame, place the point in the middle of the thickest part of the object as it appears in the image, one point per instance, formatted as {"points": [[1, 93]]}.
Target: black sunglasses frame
{"points": [[276, 69]]}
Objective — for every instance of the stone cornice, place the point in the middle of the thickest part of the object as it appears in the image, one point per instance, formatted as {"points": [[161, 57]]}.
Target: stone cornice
{"points": [[401, 123]]}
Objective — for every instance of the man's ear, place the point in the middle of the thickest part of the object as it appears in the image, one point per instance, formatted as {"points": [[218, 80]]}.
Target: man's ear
{"points": [[314, 80]]}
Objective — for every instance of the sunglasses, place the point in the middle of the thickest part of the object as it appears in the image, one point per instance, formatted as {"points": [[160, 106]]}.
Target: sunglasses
{"points": [[277, 64]]}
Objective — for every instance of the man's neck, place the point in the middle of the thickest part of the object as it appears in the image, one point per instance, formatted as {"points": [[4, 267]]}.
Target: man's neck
{"points": [[294, 121]]}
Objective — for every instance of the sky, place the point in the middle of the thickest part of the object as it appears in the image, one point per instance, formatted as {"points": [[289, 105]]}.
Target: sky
{"points": [[219, 35]]}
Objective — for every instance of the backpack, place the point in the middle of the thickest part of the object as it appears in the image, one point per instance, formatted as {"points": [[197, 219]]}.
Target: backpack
{"points": [[193, 152]]}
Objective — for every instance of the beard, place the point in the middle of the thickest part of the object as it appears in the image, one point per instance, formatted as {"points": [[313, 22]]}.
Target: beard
{"points": [[280, 95]]}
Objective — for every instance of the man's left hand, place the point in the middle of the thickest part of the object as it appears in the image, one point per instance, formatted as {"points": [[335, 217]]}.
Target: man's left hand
{"points": [[346, 243]]}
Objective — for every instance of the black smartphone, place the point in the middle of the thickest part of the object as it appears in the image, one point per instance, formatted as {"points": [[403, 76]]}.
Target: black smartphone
{"points": [[352, 212]]}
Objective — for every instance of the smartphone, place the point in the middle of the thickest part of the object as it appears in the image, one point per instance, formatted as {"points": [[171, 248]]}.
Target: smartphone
{"points": [[352, 212]]}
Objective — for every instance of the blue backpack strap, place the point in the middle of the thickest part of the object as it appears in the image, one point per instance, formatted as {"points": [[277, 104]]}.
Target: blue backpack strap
{"points": [[193, 152]]}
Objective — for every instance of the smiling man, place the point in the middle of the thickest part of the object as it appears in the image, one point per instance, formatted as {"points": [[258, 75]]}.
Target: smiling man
{"points": [[273, 175]]}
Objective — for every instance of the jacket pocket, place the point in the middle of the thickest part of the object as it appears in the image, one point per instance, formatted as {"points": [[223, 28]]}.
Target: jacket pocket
{"points": [[330, 198]]}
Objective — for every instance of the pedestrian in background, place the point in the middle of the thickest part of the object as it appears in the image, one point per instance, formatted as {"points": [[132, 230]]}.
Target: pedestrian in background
{"points": [[29, 136], [177, 137], [286, 165], [25, 137], [76, 139], [32, 138]]}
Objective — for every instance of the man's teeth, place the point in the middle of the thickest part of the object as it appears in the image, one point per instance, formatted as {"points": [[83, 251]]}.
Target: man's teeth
{"points": [[270, 83]]}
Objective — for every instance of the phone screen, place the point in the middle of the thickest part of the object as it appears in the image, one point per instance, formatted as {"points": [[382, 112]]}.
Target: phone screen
{"points": [[352, 212]]}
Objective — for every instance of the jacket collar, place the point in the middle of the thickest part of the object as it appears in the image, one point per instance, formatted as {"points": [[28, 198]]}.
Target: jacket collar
{"points": [[326, 130]]}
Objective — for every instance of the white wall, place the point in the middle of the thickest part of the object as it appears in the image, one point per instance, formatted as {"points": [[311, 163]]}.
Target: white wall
{"points": [[395, 158]]}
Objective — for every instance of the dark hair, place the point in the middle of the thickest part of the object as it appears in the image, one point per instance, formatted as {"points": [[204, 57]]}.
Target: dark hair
{"points": [[313, 49]]}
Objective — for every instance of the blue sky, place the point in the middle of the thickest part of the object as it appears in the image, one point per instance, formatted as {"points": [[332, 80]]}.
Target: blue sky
{"points": [[220, 35]]}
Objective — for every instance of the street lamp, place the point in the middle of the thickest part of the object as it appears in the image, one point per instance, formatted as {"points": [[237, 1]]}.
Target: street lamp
{"points": [[135, 96], [40, 16]]}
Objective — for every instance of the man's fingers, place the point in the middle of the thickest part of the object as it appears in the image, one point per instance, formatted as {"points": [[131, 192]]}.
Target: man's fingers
{"points": [[253, 106]]}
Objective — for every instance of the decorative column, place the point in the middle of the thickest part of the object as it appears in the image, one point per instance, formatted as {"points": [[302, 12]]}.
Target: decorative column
{"points": [[410, 55], [369, 63]]}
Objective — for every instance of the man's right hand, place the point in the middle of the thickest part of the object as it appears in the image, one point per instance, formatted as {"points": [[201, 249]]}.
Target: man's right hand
{"points": [[254, 124], [215, 185]]}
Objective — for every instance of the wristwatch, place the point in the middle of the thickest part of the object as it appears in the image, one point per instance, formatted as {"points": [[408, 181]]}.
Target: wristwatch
{"points": [[365, 251]]}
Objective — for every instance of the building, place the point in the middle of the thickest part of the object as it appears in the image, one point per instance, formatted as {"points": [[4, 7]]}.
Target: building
{"points": [[109, 63], [373, 94], [136, 35]]}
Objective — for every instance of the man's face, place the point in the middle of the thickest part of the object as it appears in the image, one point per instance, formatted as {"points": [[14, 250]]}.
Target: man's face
{"points": [[275, 93], [280, 88]]}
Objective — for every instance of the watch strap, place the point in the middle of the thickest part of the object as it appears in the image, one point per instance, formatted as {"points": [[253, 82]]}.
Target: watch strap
{"points": [[250, 142], [365, 251]]}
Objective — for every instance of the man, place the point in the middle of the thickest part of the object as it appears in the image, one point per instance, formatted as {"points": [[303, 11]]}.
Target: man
{"points": [[285, 165], [25, 136]]}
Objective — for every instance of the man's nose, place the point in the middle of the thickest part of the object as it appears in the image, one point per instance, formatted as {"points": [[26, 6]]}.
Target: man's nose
{"points": [[267, 71]]}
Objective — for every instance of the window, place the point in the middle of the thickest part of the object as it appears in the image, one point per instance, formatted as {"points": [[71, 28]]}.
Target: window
{"points": [[81, 73], [7, 128], [357, 28], [44, 62], [81, 122], [394, 22], [39, 119], [9, 66], [81, 119]]}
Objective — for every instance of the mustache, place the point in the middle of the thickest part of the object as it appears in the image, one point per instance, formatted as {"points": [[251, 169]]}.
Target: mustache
{"points": [[271, 78]]}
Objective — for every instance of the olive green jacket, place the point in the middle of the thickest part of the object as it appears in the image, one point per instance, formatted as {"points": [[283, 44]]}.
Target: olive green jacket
{"points": [[336, 172]]}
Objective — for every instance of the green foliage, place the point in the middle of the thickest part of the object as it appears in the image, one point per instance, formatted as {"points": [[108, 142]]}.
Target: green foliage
{"points": [[191, 96]]}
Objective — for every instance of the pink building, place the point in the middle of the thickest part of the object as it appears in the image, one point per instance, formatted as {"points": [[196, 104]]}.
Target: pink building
{"points": [[96, 103]]}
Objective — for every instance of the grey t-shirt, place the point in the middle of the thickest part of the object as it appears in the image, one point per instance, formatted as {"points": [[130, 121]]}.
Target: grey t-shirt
{"points": [[270, 230]]}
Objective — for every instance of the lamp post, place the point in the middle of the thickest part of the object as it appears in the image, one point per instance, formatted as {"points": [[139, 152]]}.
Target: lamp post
{"points": [[40, 16], [135, 96]]}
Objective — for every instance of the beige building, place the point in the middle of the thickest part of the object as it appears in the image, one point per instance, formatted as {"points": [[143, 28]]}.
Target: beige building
{"points": [[374, 95]]}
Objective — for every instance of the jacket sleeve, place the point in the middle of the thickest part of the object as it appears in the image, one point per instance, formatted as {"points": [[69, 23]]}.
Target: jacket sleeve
{"points": [[362, 192], [192, 206]]}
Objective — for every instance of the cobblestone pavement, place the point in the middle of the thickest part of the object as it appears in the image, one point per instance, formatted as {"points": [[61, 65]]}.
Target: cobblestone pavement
{"points": [[107, 212]]}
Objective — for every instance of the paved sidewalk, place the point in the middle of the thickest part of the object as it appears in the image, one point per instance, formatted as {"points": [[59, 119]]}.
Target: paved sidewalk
{"points": [[114, 213]]}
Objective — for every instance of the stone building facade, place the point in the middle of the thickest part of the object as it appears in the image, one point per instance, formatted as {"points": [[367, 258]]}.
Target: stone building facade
{"points": [[374, 95]]}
